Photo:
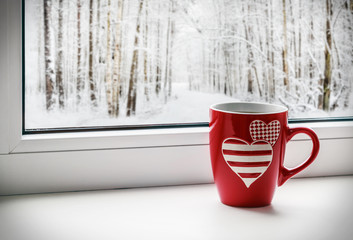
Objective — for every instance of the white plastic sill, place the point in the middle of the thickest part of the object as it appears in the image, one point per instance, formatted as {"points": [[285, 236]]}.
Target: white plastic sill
{"points": [[153, 138], [307, 208]]}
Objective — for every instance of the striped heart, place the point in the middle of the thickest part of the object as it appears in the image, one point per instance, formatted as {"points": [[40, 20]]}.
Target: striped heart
{"points": [[249, 162]]}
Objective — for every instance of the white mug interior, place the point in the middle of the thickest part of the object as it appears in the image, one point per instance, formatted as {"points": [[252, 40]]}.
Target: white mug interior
{"points": [[248, 108]]}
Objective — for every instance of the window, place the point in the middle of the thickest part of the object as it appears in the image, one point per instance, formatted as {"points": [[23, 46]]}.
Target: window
{"points": [[127, 63], [112, 159]]}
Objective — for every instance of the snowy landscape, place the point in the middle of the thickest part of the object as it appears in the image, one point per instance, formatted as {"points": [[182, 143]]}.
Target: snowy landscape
{"points": [[136, 62]]}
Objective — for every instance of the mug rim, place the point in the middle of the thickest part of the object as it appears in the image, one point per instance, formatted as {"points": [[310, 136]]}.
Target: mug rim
{"points": [[248, 108]]}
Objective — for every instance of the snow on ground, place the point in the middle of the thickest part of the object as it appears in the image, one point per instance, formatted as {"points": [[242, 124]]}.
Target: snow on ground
{"points": [[184, 106]]}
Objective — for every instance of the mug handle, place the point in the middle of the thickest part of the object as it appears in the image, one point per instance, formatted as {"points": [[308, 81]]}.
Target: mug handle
{"points": [[285, 173]]}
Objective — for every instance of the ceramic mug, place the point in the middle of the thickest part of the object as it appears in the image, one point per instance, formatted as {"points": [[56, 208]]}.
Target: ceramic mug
{"points": [[247, 147]]}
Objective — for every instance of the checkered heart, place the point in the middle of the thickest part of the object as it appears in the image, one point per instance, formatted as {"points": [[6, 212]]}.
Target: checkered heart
{"points": [[260, 131], [249, 162]]}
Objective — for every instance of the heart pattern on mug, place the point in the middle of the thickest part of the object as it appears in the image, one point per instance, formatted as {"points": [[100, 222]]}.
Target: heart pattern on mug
{"points": [[260, 131], [248, 161]]}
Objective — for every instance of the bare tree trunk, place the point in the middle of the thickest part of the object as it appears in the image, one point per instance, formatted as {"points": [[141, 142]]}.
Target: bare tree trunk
{"points": [[285, 50], [250, 55], [217, 67], [269, 68], [349, 9], [311, 60], [167, 65], [293, 46], [214, 66], [59, 57], [171, 39], [92, 83], [116, 84], [328, 67], [70, 58], [300, 42], [257, 80], [108, 76], [273, 77], [225, 47], [227, 80], [41, 83], [311, 39], [254, 66], [99, 59], [131, 98], [293, 40], [49, 71], [79, 82], [158, 58], [234, 64], [146, 55], [189, 70]]}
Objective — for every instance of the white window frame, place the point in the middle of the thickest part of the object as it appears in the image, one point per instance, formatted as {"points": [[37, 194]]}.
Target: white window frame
{"points": [[127, 158]]}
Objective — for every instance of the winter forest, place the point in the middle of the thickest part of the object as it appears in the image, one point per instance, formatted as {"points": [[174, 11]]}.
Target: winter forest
{"points": [[128, 62]]}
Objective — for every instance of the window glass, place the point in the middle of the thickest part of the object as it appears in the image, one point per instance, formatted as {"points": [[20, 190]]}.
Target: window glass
{"points": [[142, 62]]}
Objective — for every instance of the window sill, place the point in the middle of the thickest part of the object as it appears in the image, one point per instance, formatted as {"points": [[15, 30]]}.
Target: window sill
{"points": [[142, 158], [153, 138], [311, 208]]}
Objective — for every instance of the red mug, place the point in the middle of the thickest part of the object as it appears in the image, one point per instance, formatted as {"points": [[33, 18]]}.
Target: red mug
{"points": [[247, 147]]}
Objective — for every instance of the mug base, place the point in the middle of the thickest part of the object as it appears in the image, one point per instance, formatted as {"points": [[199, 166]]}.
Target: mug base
{"points": [[247, 205]]}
